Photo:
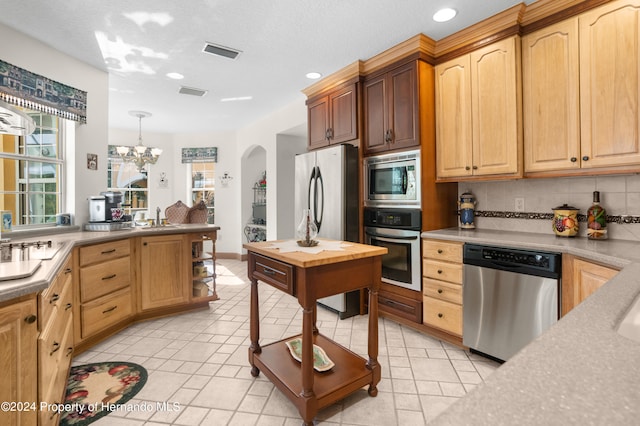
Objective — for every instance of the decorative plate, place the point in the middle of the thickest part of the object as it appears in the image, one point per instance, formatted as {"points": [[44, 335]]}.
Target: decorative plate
{"points": [[321, 362], [305, 243]]}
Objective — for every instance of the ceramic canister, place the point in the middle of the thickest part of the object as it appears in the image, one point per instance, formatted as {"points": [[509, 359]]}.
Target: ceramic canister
{"points": [[467, 204], [565, 221]]}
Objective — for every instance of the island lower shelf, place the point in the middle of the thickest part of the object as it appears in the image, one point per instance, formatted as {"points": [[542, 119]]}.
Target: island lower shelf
{"points": [[349, 373]]}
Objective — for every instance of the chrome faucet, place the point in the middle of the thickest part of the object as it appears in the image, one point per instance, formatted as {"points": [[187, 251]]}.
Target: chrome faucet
{"points": [[158, 216]]}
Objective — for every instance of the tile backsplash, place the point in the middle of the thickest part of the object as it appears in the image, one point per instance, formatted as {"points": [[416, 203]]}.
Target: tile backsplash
{"points": [[619, 195]]}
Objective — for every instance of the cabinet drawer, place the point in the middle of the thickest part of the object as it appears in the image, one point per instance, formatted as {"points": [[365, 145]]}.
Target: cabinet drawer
{"points": [[104, 312], [442, 290], [52, 296], [442, 250], [106, 251], [443, 315], [104, 278], [272, 272], [451, 272], [400, 306], [55, 352]]}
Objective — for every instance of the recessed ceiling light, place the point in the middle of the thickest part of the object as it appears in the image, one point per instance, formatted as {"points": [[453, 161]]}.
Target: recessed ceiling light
{"points": [[175, 75], [444, 15], [237, 98], [313, 75]]}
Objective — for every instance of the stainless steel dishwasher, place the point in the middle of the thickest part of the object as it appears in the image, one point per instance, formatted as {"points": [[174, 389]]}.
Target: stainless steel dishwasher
{"points": [[510, 296]]}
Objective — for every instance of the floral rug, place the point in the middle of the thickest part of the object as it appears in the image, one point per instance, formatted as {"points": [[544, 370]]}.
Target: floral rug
{"points": [[95, 390]]}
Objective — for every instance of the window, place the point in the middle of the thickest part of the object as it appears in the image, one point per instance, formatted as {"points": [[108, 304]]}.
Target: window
{"points": [[126, 178], [203, 187], [31, 172]]}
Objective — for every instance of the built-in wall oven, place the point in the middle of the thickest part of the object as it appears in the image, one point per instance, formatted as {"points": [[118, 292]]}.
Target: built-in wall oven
{"points": [[393, 180], [398, 230]]}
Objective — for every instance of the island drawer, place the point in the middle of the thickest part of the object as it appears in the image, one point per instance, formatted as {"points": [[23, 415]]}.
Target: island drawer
{"points": [[105, 251], [273, 272]]}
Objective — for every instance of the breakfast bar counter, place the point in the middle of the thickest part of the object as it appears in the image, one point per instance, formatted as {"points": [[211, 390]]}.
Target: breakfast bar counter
{"points": [[309, 276]]}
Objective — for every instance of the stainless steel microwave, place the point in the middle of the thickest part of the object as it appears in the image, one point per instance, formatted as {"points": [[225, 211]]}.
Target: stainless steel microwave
{"points": [[393, 180]]}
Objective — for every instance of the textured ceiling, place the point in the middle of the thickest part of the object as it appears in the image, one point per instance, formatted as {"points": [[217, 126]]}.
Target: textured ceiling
{"points": [[139, 42]]}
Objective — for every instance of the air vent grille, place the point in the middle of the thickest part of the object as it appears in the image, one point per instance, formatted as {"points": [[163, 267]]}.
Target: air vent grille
{"points": [[192, 91], [215, 49]]}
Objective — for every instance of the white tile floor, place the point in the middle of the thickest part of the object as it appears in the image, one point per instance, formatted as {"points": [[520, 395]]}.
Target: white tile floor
{"points": [[198, 366]]}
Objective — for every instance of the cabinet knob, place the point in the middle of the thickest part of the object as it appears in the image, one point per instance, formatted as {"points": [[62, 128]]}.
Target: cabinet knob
{"points": [[440, 315], [54, 298], [585, 158], [467, 168], [30, 319], [439, 271], [69, 306], [439, 291], [56, 347], [67, 271], [475, 167], [574, 159], [439, 251]]}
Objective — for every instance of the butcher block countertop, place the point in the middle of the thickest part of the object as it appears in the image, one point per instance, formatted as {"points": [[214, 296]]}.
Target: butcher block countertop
{"points": [[580, 371]]}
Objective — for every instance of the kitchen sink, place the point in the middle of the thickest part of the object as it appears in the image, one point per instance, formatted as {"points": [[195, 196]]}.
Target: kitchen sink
{"points": [[629, 327]]}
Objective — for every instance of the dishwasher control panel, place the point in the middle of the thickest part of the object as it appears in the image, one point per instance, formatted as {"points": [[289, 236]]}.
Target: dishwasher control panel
{"points": [[509, 256], [529, 262]]}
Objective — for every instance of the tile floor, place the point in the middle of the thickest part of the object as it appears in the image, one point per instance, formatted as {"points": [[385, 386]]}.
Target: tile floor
{"points": [[197, 363]]}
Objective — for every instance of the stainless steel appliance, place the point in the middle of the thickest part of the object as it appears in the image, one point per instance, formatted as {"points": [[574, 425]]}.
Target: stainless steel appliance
{"points": [[398, 231], [326, 182], [510, 296], [100, 205], [393, 180]]}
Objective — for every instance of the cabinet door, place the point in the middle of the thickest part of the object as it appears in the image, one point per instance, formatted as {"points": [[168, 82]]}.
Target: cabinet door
{"points": [[551, 110], [18, 360], [376, 115], [163, 273], [589, 277], [495, 110], [318, 118], [343, 115], [453, 118], [610, 84], [403, 107]]}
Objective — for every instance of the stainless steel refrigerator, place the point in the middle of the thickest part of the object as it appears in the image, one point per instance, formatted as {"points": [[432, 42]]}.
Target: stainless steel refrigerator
{"points": [[326, 182]]}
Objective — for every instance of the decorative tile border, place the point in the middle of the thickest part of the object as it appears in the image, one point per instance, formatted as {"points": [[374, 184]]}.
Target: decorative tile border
{"points": [[619, 219]]}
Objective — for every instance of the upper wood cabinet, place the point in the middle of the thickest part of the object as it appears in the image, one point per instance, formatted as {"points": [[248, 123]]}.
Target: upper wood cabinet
{"points": [[610, 84], [391, 120], [478, 113], [333, 117], [580, 91], [551, 109]]}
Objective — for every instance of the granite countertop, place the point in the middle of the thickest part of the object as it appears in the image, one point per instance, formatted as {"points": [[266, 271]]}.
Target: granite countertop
{"points": [[48, 269], [580, 371]]}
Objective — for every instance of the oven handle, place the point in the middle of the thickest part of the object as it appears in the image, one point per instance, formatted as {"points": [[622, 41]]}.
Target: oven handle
{"points": [[392, 237]]}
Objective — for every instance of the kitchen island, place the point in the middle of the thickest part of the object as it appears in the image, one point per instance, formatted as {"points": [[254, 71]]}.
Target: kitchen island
{"points": [[580, 371], [339, 268]]}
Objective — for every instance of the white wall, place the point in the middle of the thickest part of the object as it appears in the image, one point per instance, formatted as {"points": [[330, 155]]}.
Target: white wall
{"points": [[25, 52]]}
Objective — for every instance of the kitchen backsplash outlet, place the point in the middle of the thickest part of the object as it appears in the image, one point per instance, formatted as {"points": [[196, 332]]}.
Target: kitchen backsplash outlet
{"points": [[620, 195]]}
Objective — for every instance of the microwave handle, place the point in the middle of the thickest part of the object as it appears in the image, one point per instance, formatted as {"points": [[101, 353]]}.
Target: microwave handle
{"points": [[405, 180]]}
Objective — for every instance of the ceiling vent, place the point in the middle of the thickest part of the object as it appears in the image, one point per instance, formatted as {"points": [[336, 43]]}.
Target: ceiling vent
{"points": [[184, 90], [216, 49]]}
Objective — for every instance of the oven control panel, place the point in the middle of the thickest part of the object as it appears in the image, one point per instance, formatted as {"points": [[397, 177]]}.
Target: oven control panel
{"points": [[410, 219]]}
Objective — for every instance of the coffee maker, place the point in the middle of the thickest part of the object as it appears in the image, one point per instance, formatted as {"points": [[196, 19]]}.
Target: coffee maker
{"points": [[100, 205]]}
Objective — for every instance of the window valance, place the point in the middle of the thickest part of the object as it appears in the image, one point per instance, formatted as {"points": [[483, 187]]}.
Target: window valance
{"points": [[200, 155], [26, 89]]}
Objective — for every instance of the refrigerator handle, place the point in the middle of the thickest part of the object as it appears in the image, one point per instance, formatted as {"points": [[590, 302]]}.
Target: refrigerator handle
{"points": [[311, 180], [318, 194]]}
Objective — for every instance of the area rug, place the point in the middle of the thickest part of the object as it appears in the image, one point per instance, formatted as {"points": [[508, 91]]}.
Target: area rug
{"points": [[95, 390]]}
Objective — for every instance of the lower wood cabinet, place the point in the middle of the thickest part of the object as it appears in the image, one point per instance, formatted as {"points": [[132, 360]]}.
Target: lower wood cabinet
{"points": [[55, 342], [580, 279], [401, 306], [442, 285], [18, 360], [164, 277]]}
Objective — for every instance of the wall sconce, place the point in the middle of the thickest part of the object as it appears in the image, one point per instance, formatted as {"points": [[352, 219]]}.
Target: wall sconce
{"points": [[225, 179]]}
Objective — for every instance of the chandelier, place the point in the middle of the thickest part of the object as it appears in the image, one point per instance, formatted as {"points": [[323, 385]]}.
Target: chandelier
{"points": [[139, 155]]}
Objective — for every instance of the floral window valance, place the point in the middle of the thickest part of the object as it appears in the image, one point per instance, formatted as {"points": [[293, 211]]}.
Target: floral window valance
{"points": [[200, 155], [26, 89]]}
